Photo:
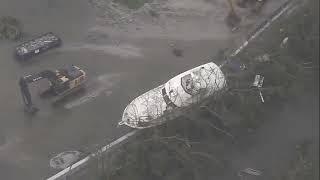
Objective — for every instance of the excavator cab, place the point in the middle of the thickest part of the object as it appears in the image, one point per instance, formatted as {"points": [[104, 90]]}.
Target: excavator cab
{"points": [[59, 83]]}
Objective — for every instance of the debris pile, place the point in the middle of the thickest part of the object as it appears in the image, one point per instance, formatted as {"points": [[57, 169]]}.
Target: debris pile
{"points": [[112, 13], [263, 58]]}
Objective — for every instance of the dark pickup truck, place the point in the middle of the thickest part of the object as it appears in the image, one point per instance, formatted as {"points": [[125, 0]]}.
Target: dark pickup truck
{"points": [[37, 45]]}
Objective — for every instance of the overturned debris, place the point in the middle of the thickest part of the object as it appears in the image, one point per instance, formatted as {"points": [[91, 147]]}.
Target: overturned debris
{"points": [[258, 81]]}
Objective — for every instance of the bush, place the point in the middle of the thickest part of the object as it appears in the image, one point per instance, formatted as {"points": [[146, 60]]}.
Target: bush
{"points": [[10, 28]]}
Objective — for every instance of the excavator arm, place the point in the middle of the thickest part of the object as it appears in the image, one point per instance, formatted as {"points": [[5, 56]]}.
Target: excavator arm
{"points": [[24, 87]]}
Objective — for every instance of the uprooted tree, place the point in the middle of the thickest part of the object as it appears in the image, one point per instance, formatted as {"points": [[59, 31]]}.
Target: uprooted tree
{"points": [[167, 152]]}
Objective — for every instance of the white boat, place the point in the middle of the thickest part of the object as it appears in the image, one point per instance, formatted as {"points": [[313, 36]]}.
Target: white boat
{"points": [[160, 104]]}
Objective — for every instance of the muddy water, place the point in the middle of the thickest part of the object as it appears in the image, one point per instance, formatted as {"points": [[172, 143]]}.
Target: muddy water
{"points": [[22, 141], [69, 19], [85, 122]]}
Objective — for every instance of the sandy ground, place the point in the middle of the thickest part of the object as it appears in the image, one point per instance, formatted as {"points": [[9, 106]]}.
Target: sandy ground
{"points": [[122, 59]]}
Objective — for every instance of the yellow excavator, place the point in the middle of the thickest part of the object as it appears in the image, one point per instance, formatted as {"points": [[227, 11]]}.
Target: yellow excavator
{"points": [[58, 84]]}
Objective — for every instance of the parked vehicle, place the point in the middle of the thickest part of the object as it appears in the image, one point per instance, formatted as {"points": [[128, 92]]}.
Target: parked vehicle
{"points": [[37, 46]]}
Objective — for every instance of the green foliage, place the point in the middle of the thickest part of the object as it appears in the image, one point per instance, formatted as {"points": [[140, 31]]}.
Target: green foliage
{"points": [[10, 28]]}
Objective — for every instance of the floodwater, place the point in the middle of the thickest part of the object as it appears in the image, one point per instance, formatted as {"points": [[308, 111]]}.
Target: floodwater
{"points": [[117, 74], [90, 118]]}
